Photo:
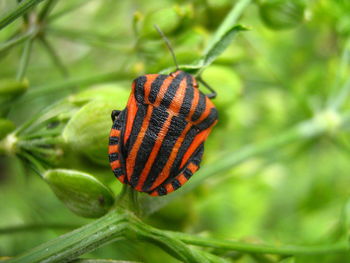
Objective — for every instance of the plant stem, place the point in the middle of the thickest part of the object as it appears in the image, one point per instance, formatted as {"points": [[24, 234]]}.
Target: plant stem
{"points": [[82, 240], [49, 5], [23, 65], [56, 60], [168, 242], [72, 83], [230, 20], [260, 248], [20, 9], [90, 38], [18, 39], [37, 166], [68, 10], [120, 223]]}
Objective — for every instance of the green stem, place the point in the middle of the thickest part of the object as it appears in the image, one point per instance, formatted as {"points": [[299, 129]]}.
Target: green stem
{"points": [[72, 83], [230, 20], [128, 199], [38, 167], [68, 10], [260, 248], [120, 223], [19, 39], [25, 16], [49, 5], [56, 60], [39, 135], [90, 38], [82, 240], [23, 65], [20, 9], [167, 242]]}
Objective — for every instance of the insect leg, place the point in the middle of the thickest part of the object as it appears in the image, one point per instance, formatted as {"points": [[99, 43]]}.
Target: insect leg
{"points": [[212, 93], [115, 114], [178, 181]]}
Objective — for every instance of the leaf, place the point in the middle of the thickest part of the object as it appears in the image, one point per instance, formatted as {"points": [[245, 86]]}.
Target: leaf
{"points": [[282, 14], [20, 9], [220, 45], [215, 50]]}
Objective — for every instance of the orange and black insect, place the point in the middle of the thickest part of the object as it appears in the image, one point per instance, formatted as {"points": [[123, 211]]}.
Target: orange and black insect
{"points": [[156, 143]]}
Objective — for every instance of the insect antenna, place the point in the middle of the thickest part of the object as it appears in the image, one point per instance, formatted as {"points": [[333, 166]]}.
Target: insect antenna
{"points": [[167, 42]]}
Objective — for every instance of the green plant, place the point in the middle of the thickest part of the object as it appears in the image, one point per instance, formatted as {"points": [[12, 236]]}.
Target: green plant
{"points": [[65, 142]]}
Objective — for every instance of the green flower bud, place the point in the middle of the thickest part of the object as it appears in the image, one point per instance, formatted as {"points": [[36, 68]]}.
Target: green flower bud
{"points": [[6, 126], [282, 14], [11, 87], [225, 82], [82, 193], [168, 20], [88, 130], [113, 92]]}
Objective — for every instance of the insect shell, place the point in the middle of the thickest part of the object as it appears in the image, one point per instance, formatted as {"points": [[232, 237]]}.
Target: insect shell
{"points": [[156, 143]]}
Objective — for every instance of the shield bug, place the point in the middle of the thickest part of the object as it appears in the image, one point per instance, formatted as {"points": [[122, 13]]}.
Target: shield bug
{"points": [[156, 143]]}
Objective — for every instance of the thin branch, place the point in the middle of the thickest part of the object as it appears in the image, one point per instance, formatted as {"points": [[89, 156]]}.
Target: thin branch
{"points": [[89, 38], [260, 248], [20, 9], [18, 39], [25, 16], [230, 20], [45, 11], [37, 166], [23, 65], [68, 10], [56, 60], [72, 83], [77, 242]]}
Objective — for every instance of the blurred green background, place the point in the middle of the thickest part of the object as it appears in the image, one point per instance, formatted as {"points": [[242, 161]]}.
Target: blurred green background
{"points": [[284, 70]]}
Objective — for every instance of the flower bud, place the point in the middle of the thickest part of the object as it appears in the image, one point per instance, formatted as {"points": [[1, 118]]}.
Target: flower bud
{"points": [[82, 193], [113, 92], [282, 14], [224, 81], [88, 130], [167, 19], [11, 87]]}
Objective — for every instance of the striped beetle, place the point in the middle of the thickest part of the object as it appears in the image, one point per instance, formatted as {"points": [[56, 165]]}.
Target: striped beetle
{"points": [[156, 143]]}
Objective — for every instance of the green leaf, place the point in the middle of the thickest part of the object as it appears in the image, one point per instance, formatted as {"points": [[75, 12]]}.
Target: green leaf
{"points": [[82, 193], [20, 9], [215, 49], [220, 45], [282, 14]]}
